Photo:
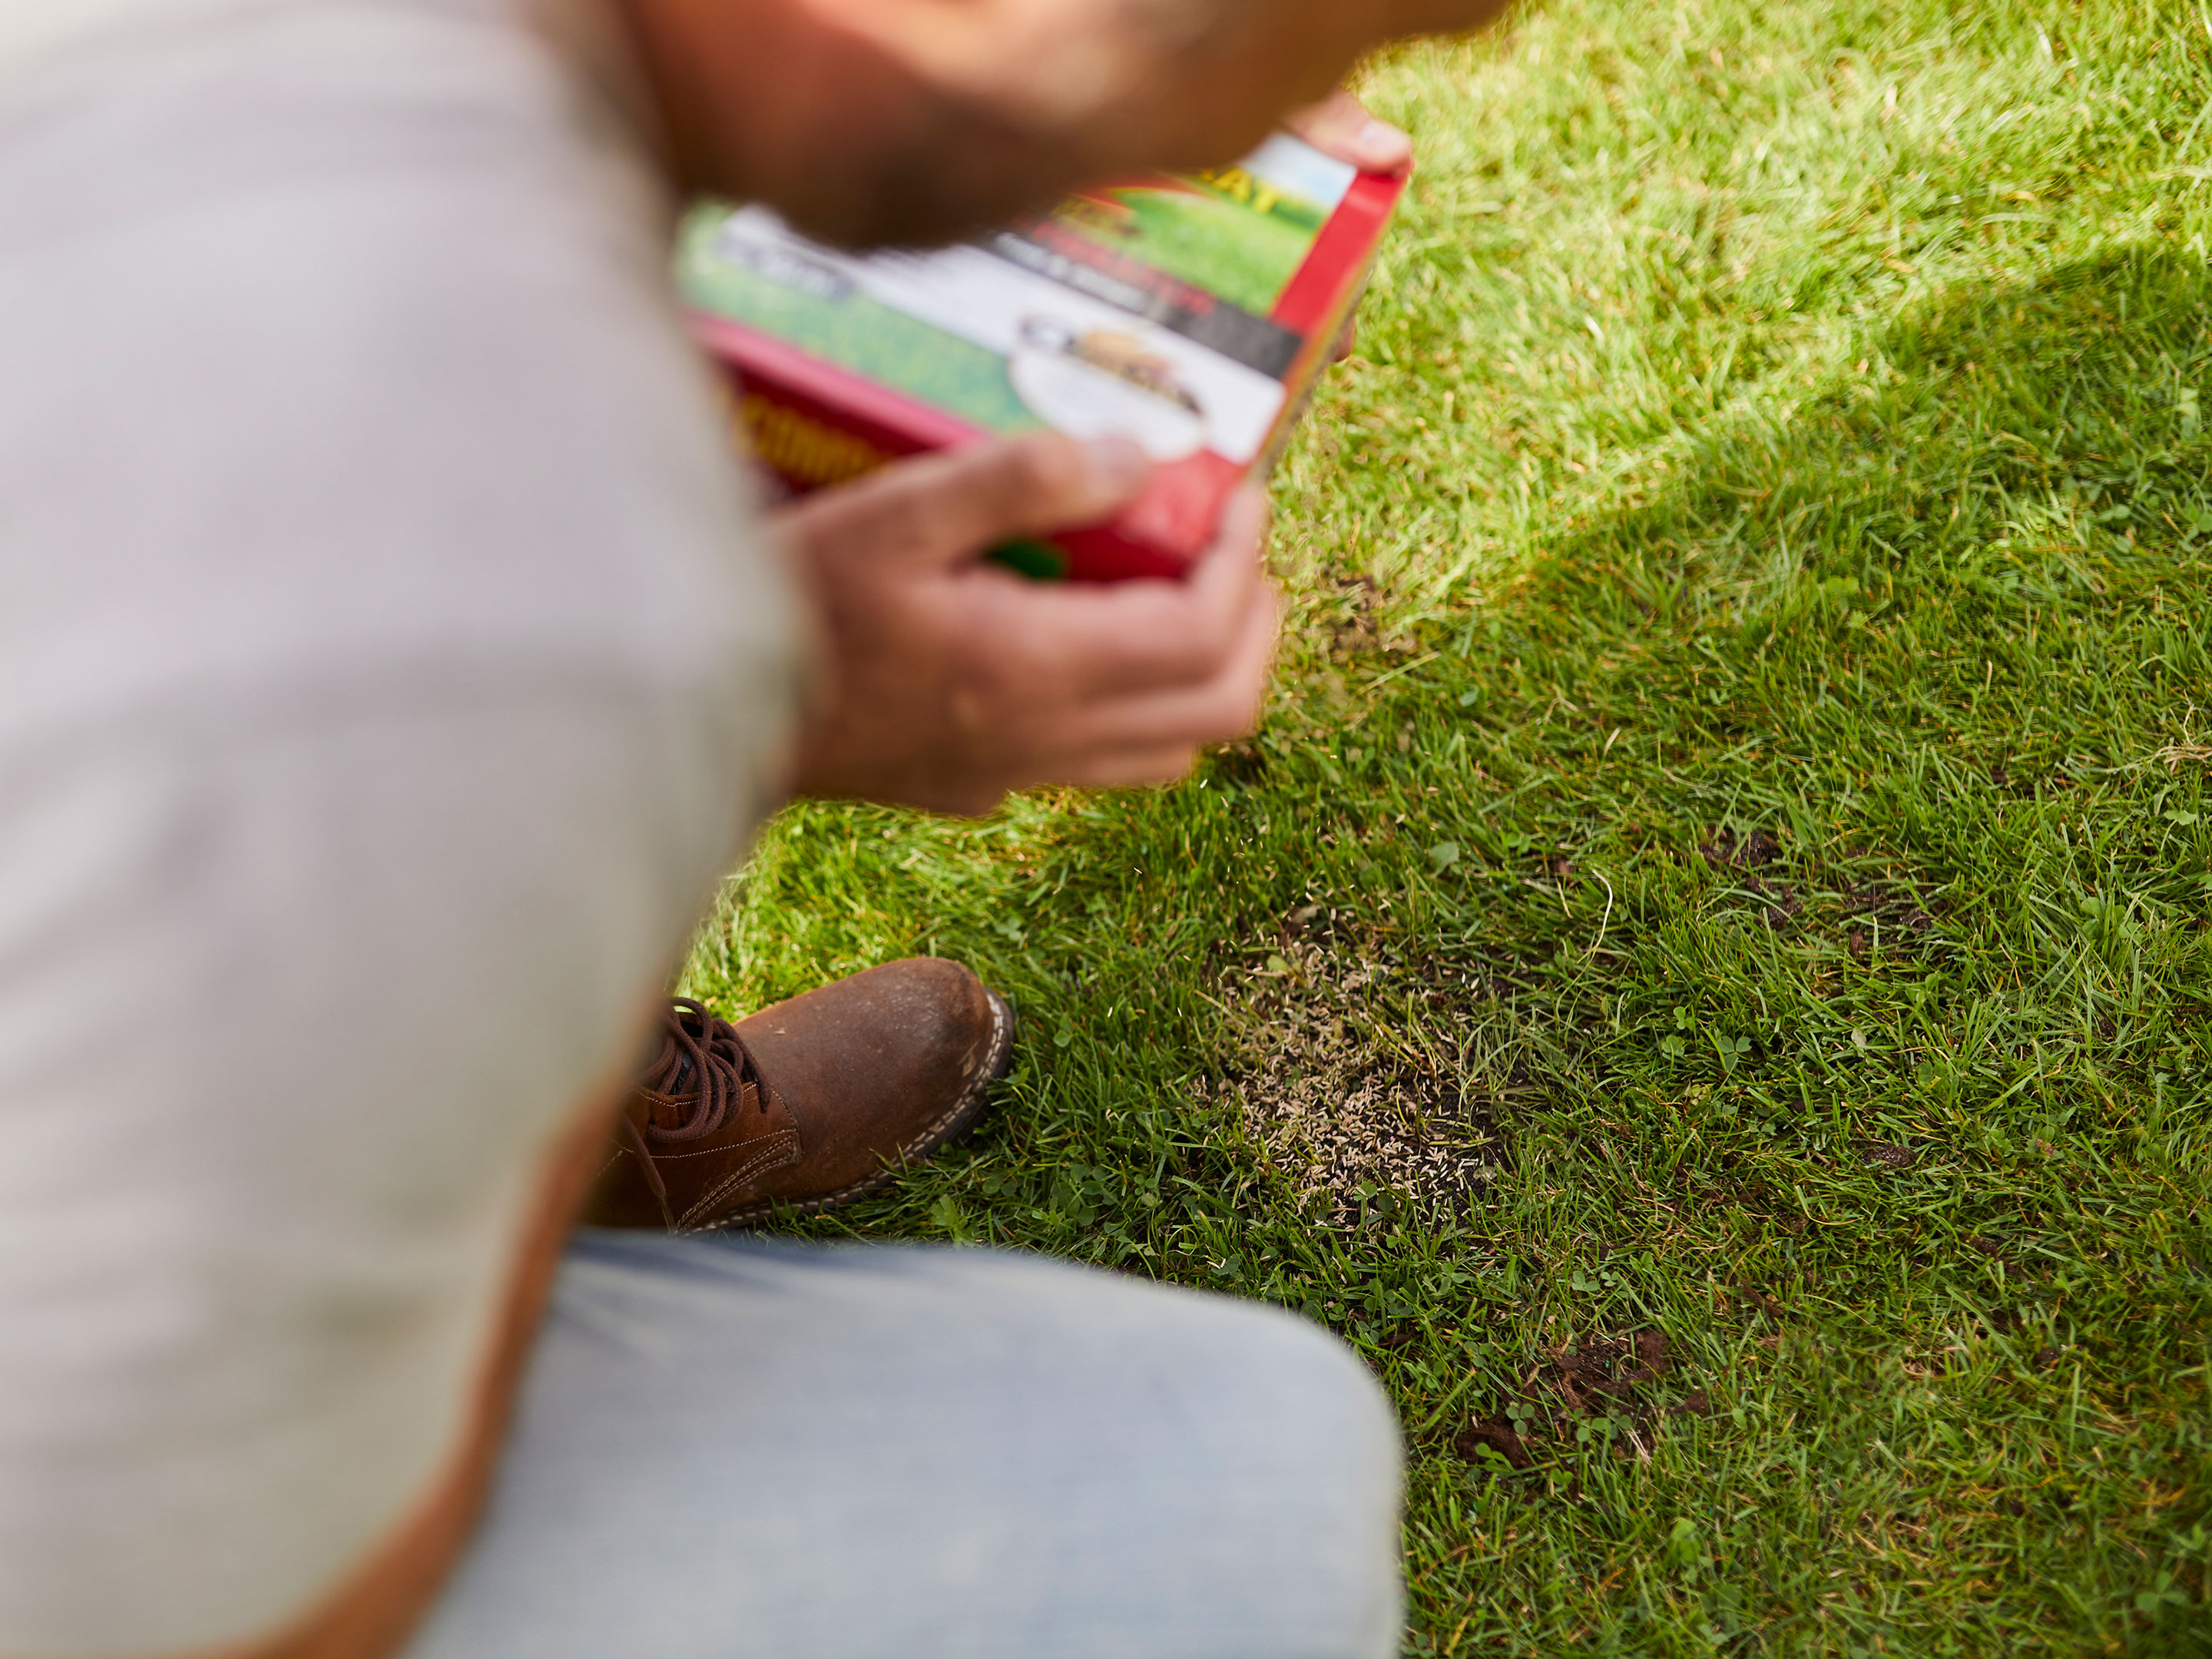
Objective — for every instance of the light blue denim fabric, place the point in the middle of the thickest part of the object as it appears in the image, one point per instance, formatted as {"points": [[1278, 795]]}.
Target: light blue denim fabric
{"points": [[732, 1449]]}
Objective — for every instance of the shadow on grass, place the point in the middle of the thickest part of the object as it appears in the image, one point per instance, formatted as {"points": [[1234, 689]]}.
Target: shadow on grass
{"points": [[2075, 394]]}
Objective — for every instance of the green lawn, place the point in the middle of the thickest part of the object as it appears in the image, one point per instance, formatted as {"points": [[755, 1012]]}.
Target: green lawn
{"points": [[1704, 977]]}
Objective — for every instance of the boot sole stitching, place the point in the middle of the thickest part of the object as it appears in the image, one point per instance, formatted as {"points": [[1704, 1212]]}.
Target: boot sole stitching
{"points": [[957, 1118]]}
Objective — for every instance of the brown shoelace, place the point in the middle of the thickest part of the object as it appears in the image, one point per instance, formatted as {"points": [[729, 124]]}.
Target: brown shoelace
{"points": [[702, 1074]]}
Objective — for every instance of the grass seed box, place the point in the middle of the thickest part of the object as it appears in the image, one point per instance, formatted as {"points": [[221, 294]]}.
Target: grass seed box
{"points": [[1190, 314]]}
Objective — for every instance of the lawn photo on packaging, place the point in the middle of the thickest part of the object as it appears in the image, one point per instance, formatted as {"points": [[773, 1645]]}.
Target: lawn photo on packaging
{"points": [[838, 323], [1702, 977], [1237, 236]]}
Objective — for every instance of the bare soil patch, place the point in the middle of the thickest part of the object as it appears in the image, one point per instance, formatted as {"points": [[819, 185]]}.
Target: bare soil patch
{"points": [[1610, 1391], [1727, 850], [1340, 1114], [1889, 1158]]}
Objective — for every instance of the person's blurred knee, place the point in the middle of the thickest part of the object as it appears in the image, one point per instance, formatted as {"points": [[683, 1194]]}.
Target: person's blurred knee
{"points": [[1277, 1462], [1019, 1455], [1342, 1489]]}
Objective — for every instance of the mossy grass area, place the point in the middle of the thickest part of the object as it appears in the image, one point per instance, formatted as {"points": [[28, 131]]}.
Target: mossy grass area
{"points": [[1703, 978]]}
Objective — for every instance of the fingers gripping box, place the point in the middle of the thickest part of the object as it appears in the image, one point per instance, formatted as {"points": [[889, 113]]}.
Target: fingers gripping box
{"points": [[1192, 314]]}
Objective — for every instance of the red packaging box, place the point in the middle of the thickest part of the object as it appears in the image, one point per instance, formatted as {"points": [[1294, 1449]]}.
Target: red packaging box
{"points": [[1192, 314]]}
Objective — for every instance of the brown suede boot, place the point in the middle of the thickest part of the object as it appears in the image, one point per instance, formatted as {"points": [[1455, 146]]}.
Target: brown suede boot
{"points": [[805, 1105]]}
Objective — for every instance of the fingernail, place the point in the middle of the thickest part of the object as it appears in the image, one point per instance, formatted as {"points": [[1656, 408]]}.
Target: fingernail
{"points": [[1380, 144], [1119, 464]]}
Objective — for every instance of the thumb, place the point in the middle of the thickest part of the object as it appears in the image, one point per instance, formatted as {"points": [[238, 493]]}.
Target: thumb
{"points": [[945, 508], [1341, 126]]}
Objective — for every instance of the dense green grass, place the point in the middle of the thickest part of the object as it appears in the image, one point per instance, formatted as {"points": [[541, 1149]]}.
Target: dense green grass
{"points": [[1777, 433]]}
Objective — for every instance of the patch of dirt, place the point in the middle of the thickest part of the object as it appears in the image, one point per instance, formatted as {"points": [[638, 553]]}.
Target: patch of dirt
{"points": [[1743, 856], [1614, 1384], [1751, 1298], [1729, 851], [1890, 911], [1609, 1372], [1880, 1155], [1783, 904], [1495, 1433], [1334, 1110], [1350, 614]]}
